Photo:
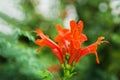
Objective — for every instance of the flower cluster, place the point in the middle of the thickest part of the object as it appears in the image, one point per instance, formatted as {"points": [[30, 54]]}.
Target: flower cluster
{"points": [[67, 44]]}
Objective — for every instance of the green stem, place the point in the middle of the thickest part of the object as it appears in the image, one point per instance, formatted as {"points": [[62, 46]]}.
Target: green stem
{"points": [[64, 78], [67, 71]]}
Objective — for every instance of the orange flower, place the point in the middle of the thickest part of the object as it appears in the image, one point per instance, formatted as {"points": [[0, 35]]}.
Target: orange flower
{"points": [[53, 68], [69, 43], [45, 41], [90, 49]]}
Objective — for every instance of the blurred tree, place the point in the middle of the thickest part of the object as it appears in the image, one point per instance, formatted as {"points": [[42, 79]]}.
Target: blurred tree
{"points": [[18, 59]]}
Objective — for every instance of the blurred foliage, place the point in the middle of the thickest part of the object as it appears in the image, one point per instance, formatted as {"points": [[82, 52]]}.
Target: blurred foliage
{"points": [[20, 61]]}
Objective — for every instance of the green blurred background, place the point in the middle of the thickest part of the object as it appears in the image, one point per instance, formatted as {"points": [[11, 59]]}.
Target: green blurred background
{"points": [[18, 18]]}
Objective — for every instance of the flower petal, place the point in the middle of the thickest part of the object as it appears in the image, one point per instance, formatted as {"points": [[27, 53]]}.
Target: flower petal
{"points": [[73, 26], [45, 41], [80, 26], [90, 49]]}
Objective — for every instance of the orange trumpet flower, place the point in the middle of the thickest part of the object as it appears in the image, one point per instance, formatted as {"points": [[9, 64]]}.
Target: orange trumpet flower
{"points": [[69, 43]]}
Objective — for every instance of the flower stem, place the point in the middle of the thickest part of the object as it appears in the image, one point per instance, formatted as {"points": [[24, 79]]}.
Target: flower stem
{"points": [[67, 71]]}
